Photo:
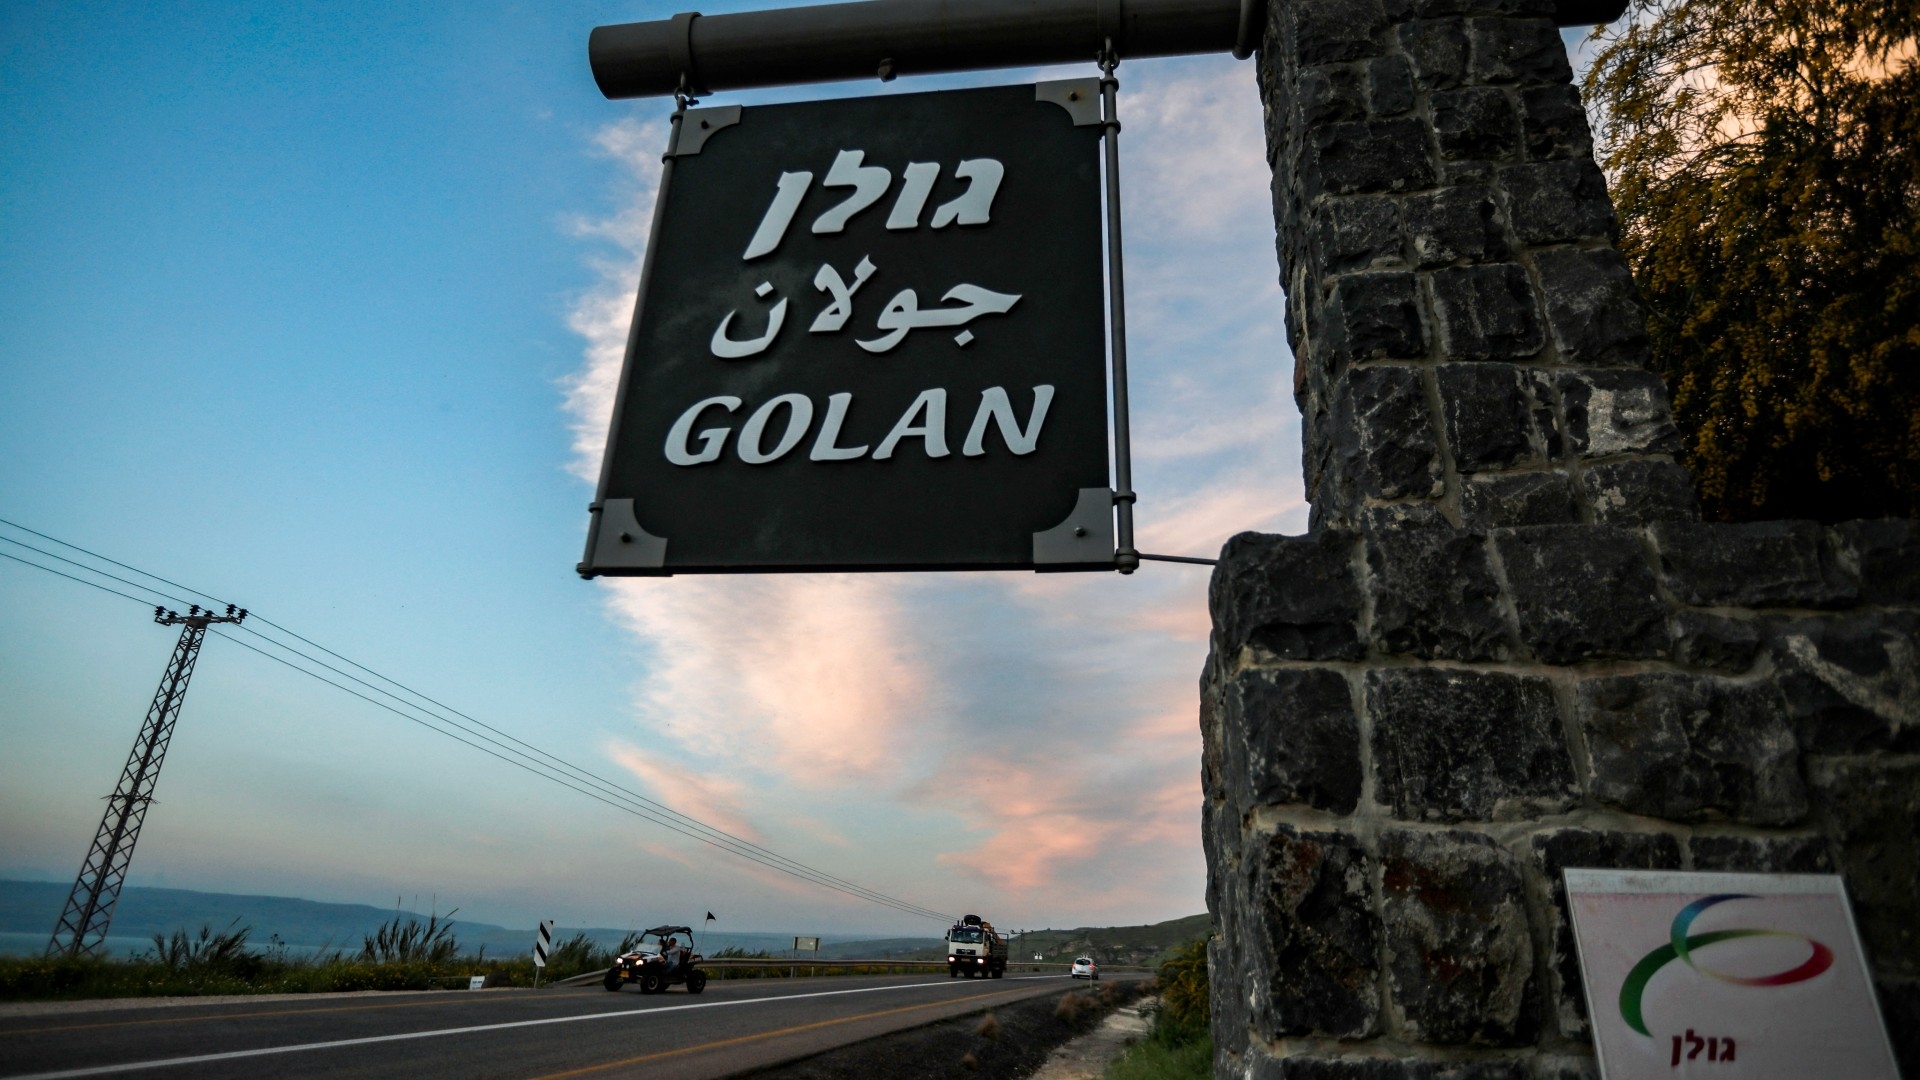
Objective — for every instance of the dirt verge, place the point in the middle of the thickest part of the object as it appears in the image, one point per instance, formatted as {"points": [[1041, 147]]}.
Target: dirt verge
{"points": [[1013, 1045]]}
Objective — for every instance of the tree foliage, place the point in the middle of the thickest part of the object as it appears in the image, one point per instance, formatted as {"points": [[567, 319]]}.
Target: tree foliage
{"points": [[1765, 159]]}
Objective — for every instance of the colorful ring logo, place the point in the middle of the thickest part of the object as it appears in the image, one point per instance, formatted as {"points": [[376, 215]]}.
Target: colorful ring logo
{"points": [[1681, 947]]}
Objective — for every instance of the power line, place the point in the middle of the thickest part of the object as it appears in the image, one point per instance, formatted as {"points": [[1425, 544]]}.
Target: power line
{"points": [[534, 768], [545, 765]]}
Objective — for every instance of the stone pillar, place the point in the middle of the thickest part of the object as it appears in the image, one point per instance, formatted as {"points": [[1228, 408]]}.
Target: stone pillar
{"points": [[1507, 645]]}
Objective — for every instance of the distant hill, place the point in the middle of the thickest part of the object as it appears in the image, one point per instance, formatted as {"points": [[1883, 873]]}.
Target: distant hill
{"points": [[32, 907], [1146, 945], [1115, 944]]}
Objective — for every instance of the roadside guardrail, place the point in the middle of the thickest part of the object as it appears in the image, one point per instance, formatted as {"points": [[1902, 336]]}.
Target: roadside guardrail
{"points": [[786, 968]]}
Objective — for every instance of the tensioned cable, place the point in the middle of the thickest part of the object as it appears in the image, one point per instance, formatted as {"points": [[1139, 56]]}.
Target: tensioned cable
{"points": [[650, 810], [561, 780], [805, 873], [728, 840], [653, 811]]}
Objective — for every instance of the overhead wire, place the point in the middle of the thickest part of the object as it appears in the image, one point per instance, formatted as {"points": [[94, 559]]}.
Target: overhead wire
{"points": [[531, 758]]}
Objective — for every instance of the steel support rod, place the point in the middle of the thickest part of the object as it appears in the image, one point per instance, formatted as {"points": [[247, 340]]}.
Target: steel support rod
{"points": [[1125, 558], [884, 38]]}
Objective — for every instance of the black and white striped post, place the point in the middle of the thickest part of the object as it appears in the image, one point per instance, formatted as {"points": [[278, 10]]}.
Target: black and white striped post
{"points": [[542, 944]]}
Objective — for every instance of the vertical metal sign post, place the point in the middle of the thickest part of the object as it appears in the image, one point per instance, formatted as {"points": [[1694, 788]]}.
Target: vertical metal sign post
{"points": [[542, 943], [1125, 558]]}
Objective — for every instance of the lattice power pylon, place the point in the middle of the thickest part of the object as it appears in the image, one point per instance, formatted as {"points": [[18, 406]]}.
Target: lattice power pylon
{"points": [[82, 930]]}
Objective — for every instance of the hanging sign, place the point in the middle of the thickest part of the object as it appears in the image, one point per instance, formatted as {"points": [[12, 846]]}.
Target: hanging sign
{"points": [[1730, 976], [870, 336]]}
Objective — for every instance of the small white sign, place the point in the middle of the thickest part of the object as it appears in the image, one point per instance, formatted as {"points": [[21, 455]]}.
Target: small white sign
{"points": [[476, 982], [806, 944], [1728, 976]]}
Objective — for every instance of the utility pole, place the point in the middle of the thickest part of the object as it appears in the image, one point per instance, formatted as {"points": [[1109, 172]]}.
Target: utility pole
{"points": [[82, 929]]}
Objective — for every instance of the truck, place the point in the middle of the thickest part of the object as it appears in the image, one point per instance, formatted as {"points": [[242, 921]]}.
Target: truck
{"points": [[975, 948]]}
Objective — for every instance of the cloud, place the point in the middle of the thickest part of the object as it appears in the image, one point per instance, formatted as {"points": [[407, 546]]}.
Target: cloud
{"points": [[806, 677], [603, 313], [712, 798]]}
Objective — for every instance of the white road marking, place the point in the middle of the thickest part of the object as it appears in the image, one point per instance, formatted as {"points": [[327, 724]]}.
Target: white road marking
{"points": [[624, 1014]]}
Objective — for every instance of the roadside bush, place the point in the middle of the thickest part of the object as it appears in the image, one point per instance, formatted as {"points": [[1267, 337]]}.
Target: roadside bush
{"points": [[412, 941], [1185, 1013], [1180, 1045]]}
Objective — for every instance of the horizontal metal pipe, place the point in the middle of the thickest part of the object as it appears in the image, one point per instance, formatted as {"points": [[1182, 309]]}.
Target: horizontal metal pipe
{"points": [[910, 37], [884, 38]]}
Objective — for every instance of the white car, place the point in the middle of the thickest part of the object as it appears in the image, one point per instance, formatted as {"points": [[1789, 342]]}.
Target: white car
{"points": [[1085, 968]]}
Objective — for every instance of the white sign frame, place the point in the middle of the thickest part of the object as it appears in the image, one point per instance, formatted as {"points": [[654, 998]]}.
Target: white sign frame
{"points": [[1763, 1006]]}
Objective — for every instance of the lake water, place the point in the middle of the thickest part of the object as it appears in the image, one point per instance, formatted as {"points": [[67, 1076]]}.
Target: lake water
{"points": [[117, 947]]}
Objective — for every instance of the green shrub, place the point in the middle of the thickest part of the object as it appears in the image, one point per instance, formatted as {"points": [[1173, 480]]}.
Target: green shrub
{"points": [[1185, 1013], [412, 941], [1154, 1059]]}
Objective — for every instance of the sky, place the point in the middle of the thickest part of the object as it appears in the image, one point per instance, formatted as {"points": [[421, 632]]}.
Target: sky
{"points": [[319, 307]]}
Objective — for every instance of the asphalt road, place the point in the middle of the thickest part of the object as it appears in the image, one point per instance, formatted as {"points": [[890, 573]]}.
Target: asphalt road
{"points": [[551, 1033]]}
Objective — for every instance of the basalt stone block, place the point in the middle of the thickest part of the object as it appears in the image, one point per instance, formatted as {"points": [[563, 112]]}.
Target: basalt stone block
{"points": [[1617, 411], [1292, 597], [1872, 807], [1450, 745], [1331, 93], [1640, 491], [1556, 850], [1758, 564], [1517, 50], [1459, 950], [1592, 307], [1373, 1068], [1504, 501], [1691, 748], [1382, 435], [1583, 592], [1227, 998], [1401, 10], [1453, 224], [1900, 1011], [1553, 201], [1378, 316], [1852, 682], [1718, 642], [1366, 156], [1475, 122], [1357, 232], [1481, 1070], [1389, 85], [1487, 411], [1437, 49], [1761, 854], [1486, 312], [1329, 31], [1565, 1067], [1314, 940], [1553, 123], [1298, 739], [1402, 515], [1884, 557], [1434, 595]]}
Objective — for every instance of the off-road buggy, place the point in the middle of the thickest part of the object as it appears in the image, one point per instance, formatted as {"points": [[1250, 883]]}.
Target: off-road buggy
{"points": [[655, 966]]}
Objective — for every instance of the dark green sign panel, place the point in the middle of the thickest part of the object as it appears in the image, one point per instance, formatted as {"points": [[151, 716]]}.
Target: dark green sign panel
{"points": [[870, 336]]}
